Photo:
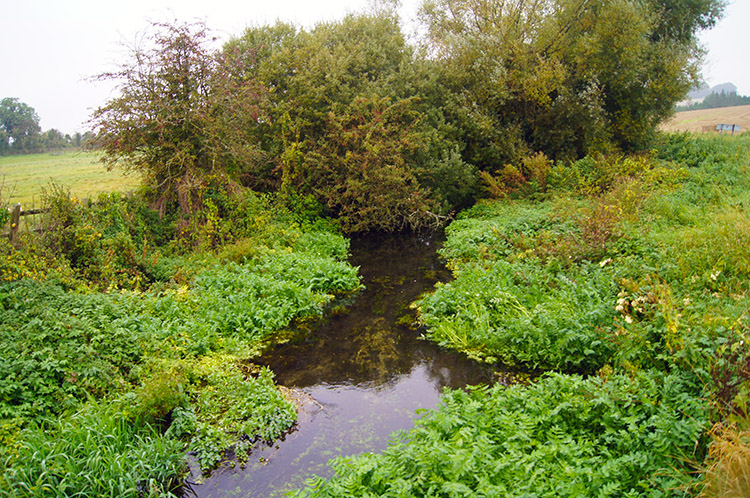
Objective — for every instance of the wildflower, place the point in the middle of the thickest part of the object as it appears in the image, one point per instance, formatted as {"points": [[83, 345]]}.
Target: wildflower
{"points": [[715, 275], [628, 318], [686, 301], [605, 262]]}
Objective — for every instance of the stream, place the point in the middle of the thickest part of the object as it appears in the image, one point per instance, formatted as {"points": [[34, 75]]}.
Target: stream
{"points": [[359, 375]]}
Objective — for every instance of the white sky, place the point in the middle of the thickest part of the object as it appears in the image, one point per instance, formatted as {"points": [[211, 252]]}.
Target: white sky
{"points": [[49, 47], [728, 45]]}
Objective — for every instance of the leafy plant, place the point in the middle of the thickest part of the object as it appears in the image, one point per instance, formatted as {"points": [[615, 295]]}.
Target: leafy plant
{"points": [[93, 452], [561, 436]]}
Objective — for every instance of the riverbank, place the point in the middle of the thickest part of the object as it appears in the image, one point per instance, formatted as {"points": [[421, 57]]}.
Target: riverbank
{"points": [[126, 339], [364, 372], [629, 284]]}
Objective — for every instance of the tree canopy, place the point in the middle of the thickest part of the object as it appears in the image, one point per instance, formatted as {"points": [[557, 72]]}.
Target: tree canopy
{"points": [[350, 117], [19, 126]]}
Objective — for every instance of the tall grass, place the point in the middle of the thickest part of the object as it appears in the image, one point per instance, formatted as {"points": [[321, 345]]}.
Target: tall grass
{"points": [[95, 452], [728, 464]]}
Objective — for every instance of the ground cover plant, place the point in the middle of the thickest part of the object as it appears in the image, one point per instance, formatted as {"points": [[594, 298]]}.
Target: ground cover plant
{"points": [[625, 285], [126, 337]]}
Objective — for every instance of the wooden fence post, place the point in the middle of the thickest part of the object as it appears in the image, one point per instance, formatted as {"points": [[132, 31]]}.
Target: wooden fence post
{"points": [[15, 219]]}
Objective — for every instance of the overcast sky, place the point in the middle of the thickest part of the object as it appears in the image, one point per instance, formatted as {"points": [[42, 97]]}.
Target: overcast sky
{"points": [[49, 47]]}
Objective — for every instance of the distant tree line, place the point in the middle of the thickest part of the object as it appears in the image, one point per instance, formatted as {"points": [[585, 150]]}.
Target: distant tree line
{"points": [[715, 100], [350, 119], [20, 132]]}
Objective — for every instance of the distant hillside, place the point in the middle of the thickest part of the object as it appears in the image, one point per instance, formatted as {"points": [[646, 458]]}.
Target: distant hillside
{"points": [[704, 91], [696, 121]]}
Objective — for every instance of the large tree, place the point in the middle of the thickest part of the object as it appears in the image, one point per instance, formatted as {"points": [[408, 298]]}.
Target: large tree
{"points": [[349, 123], [19, 126], [564, 76], [180, 113]]}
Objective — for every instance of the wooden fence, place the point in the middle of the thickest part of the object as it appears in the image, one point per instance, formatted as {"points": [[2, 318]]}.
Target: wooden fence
{"points": [[16, 212]]}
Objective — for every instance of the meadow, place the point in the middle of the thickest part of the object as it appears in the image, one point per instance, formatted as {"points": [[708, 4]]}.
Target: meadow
{"points": [[25, 177], [694, 121]]}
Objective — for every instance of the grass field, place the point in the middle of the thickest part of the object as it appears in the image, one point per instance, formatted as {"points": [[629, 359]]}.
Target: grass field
{"points": [[24, 178], [696, 120]]}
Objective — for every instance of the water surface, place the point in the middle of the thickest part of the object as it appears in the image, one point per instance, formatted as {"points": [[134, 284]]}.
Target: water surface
{"points": [[359, 375]]}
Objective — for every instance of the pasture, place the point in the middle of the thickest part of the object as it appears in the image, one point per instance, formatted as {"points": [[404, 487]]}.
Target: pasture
{"points": [[694, 121], [24, 178]]}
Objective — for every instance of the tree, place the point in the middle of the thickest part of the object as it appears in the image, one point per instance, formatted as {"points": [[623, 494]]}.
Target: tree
{"points": [[564, 76], [679, 20], [54, 139], [179, 115], [19, 124], [350, 123]]}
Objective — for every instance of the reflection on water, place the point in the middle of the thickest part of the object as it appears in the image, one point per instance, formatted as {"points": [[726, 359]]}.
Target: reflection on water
{"points": [[361, 374]]}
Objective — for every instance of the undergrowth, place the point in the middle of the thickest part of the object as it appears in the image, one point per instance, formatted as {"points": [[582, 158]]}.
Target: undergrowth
{"points": [[630, 271], [126, 337]]}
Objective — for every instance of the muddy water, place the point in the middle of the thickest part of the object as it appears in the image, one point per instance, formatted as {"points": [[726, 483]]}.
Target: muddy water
{"points": [[359, 375]]}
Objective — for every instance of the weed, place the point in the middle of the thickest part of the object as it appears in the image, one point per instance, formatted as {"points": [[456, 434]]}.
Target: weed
{"points": [[727, 471]]}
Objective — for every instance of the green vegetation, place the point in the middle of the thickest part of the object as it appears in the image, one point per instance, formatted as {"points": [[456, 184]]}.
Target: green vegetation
{"points": [[20, 132], [128, 325], [25, 177], [349, 120], [715, 100], [632, 271], [563, 436], [126, 338]]}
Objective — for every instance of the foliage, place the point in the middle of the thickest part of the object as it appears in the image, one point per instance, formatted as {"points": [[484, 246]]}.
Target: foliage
{"points": [[638, 259], [58, 347], [564, 77], [348, 127], [179, 114], [562, 436], [111, 242], [93, 452], [359, 168], [163, 365], [522, 313], [19, 126], [347, 119], [20, 131], [249, 408]]}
